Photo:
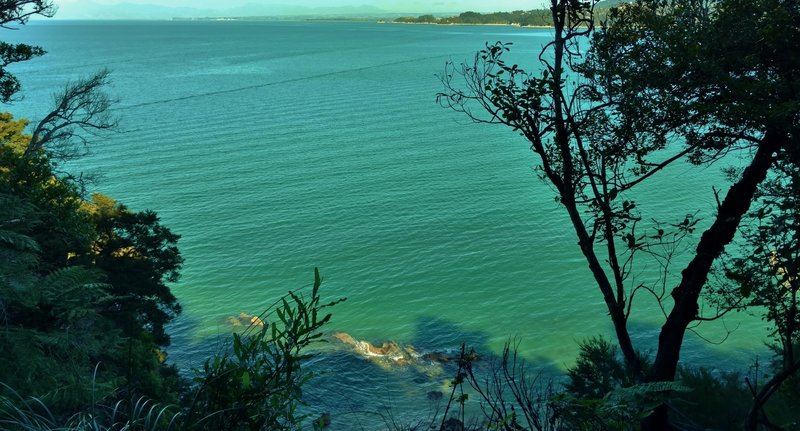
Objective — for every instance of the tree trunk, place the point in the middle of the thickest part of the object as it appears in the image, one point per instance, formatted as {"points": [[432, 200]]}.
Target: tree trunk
{"points": [[615, 309], [712, 243], [756, 413]]}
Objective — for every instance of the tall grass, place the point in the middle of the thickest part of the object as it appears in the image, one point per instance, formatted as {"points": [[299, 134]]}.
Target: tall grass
{"points": [[18, 413]]}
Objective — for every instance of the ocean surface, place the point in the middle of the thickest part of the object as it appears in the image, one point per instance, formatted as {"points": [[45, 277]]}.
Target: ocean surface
{"points": [[277, 147]]}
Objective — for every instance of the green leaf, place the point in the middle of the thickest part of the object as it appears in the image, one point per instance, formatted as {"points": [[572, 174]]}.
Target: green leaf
{"points": [[246, 380], [317, 283]]}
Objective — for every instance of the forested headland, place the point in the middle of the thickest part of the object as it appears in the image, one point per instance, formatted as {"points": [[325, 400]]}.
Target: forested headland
{"points": [[531, 18], [521, 18], [85, 280]]}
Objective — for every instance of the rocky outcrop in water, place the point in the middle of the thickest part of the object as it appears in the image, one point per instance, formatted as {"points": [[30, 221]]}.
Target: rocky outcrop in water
{"points": [[390, 355], [244, 320]]}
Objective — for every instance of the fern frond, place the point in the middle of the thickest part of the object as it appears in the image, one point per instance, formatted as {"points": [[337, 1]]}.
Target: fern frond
{"points": [[66, 287], [18, 241], [69, 278], [647, 389], [640, 400]]}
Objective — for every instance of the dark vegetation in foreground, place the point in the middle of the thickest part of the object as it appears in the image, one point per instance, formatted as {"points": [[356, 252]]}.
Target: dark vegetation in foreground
{"points": [[84, 293]]}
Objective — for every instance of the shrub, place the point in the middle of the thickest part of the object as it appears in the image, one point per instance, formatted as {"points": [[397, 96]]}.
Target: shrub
{"points": [[258, 383]]}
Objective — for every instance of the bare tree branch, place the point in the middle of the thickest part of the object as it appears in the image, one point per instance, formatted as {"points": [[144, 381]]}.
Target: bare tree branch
{"points": [[82, 111]]}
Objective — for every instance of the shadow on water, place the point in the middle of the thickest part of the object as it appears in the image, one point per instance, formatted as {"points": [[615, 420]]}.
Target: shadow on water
{"points": [[700, 350], [187, 351], [362, 391], [373, 392]]}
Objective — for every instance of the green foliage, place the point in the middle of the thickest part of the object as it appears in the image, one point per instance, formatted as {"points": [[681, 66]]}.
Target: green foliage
{"points": [[601, 390], [138, 256], [716, 400], [61, 228], [598, 370], [19, 413], [600, 394], [51, 319], [621, 409], [781, 408], [767, 273], [763, 277], [633, 403], [74, 282], [675, 68], [18, 12], [257, 384]]}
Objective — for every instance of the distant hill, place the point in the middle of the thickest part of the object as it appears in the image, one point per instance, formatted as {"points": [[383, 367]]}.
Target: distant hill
{"points": [[531, 18], [604, 4]]}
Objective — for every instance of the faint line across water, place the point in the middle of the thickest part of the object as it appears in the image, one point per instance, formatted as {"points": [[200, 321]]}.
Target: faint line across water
{"points": [[269, 84]]}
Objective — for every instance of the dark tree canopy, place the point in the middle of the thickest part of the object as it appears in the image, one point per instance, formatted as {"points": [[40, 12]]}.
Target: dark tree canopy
{"points": [[676, 71], [18, 12], [81, 283], [662, 81], [138, 256]]}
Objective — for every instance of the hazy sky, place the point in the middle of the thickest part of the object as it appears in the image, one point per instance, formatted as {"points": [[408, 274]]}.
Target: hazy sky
{"points": [[69, 8], [390, 5]]}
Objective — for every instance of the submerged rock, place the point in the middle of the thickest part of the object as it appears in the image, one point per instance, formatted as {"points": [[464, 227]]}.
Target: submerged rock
{"points": [[435, 396], [389, 349], [390, 355], [244, 320], [443, 357]]}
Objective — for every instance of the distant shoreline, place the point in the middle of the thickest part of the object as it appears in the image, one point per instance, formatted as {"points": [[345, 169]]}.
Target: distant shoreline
{"points": [[535, 18], [362, 20], [468, 24]]}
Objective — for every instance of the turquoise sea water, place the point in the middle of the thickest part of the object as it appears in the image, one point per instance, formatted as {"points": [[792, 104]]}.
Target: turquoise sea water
{"points": [[275, 147]]}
